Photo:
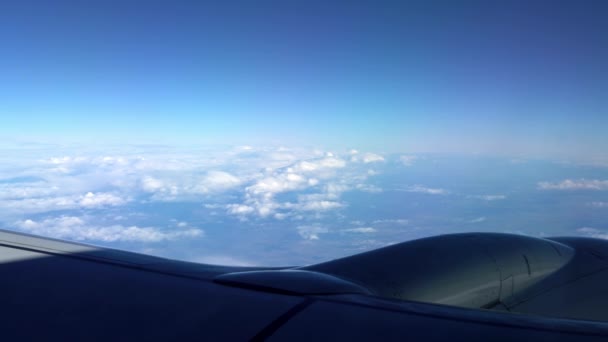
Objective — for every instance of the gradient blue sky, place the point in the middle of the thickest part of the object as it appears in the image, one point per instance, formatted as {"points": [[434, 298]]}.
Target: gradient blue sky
{"points": [[510, 77]]}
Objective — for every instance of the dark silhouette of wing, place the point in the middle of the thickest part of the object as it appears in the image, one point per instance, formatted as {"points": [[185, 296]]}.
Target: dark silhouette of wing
{"points": [[477, 286]]}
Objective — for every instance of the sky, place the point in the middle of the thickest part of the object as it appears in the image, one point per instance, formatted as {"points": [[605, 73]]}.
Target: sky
{"points": [[513, 77], [294, 132]]}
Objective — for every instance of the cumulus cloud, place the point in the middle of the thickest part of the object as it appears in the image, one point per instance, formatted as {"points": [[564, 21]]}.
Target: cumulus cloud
{"points": [[77, 228], [425, 190], [239, 209], [580, 184], [243, 180], [299, 176], [165, 174], [311, 232], [189, 185], [92, 200], [278, 183], [316, 183]]}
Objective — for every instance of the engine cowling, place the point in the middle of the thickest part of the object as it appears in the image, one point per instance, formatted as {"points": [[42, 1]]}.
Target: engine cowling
{"points": [[477, 270]]}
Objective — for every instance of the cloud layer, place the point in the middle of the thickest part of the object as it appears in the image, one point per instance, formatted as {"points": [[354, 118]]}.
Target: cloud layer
{"points": [[57, 196], [81, 229], [277, 205], [580, 184], [425, 190], [593, 232]]}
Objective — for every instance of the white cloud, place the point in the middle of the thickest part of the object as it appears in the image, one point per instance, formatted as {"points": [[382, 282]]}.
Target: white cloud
{"points": [[368, 188], [360, 230], [316, 175], [91, 200], [77, 228], [392, 221], [580, 184], [244, 181], [30, 190], [333, 190], [278, 183], [599, 204], [50, 203], [281, 216], [425, 190], [239, 209], [223, 260], [311, 232], [60, 160], [189, 185], [408, 160], [478, 220], [319, 205], [593, 232], [489, 197], [161, 190], [372, 158], [329, 162], [366, 157], [588, 230], [219, 180], [151, 184]]}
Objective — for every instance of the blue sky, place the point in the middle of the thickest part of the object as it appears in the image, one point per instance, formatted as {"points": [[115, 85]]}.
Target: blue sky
{"points": [[519, 77]]}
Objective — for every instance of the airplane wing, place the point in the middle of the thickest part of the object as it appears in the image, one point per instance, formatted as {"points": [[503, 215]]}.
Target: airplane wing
{"points": [[475, 286]]}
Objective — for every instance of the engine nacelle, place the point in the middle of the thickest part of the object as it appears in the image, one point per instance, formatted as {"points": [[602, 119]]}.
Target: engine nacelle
{"points": [[477, 270]]}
